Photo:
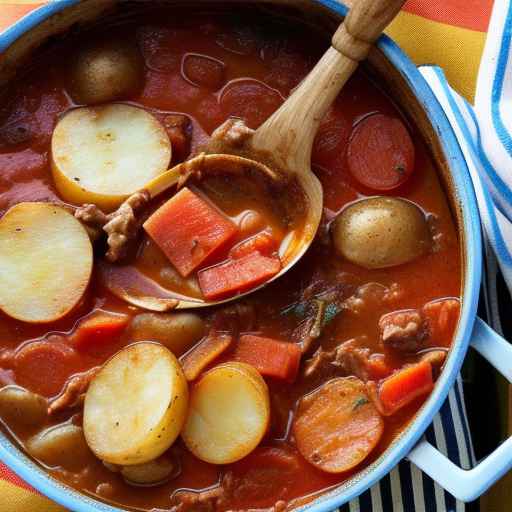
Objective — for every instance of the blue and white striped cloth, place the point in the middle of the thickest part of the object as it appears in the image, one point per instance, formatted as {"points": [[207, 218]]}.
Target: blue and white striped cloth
{"points": [[484, 132]]}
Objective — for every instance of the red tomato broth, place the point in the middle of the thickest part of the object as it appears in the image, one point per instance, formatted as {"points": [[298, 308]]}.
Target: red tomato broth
{"points": [[257, 54]]}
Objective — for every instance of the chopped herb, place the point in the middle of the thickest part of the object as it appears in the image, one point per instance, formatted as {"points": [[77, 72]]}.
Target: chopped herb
{"points": [[330, 312], [359, 402], [400, 169]]}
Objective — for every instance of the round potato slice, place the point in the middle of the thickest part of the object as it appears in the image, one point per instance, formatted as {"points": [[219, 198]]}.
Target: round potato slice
{"points": [[229, 414], [136, 405], [45, 262], [337, 426], [103, 154]]}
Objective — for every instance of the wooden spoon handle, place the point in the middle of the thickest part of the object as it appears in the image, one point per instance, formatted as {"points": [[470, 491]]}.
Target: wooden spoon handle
{"points": [[289, 133], [363, 25]]}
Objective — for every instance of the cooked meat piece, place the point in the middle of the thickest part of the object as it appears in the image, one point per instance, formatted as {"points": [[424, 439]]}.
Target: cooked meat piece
{"points": [[93, 219], [318, 361], [121, 226], [233, 132], [204, 501], [237, 317], [371, 294], [404, 331], [179, 131], [353, 360], [73, 390]]}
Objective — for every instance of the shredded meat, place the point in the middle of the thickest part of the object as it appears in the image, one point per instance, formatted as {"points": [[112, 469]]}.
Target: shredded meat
{"points": [[234, 132], [71, 395], [353, 360], [371, 294], [204, 501], [121, 226], [349, 358], [404, 331]]}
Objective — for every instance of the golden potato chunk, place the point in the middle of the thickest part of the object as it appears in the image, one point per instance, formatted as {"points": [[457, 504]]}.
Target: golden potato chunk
{"points": [[45, 262], [103, 154], [106, 71], [381, 232], [229, 414], [136, 405]]}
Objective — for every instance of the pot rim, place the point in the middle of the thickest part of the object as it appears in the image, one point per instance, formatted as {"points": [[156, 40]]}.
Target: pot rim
{"points": [[463, 196]]}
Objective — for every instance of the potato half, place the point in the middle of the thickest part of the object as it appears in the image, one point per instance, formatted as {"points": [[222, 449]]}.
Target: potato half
{"points": [[45, 262], [136, 405], [103, 154], [229, 414]]}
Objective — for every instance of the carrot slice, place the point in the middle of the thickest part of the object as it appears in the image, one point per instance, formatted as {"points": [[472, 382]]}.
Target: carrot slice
{"points": [[442, 317], [337, 426], [234, 276], [98, 328], [189, 230], [404, 386], [197, 359], [380, 153], [263, 242], [44, 366], [270, 357]]}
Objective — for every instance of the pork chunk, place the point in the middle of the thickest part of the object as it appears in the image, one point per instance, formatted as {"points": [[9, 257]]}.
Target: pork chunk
{"points": [[404, 331]]}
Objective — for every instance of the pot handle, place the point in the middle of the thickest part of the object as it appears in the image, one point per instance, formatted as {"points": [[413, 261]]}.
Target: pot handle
{"points": [[468, 485]]}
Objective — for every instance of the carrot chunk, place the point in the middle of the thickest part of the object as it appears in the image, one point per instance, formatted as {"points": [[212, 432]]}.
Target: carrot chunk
{"points": [[441, 317], [337, 426], [263, 242], [98, 328], [189, 230], [271, 358], [380, 152], [404, 386], [197, 359], [234, 276]]}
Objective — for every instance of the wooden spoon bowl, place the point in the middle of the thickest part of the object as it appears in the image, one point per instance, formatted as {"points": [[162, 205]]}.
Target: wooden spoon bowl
{"points": [[280, 148]]}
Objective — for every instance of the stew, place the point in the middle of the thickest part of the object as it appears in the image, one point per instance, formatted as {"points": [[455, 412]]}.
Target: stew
{"points": [[260, 403]]}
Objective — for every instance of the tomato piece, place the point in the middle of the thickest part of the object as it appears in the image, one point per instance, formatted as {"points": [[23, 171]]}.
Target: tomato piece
{"points": [[380, 152], [203, 71], [251, 100]]}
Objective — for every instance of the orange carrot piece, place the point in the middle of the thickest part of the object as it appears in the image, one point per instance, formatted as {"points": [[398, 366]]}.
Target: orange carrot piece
{"points": [[189, 230], [272, 358], [98, 328], [234, 276], [442, 317], [197, 359], [405, 385], [263, 242]]}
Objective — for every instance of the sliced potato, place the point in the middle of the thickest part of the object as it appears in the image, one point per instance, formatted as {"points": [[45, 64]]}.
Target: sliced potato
{"points": [[20, 406], [337, 426], [136, 405], [45, 262], [103, 154], [62, 445], [229, 414]]}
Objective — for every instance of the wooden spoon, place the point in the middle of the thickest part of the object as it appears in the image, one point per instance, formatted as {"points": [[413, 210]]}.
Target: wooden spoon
{"points": [[286, 138]]}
